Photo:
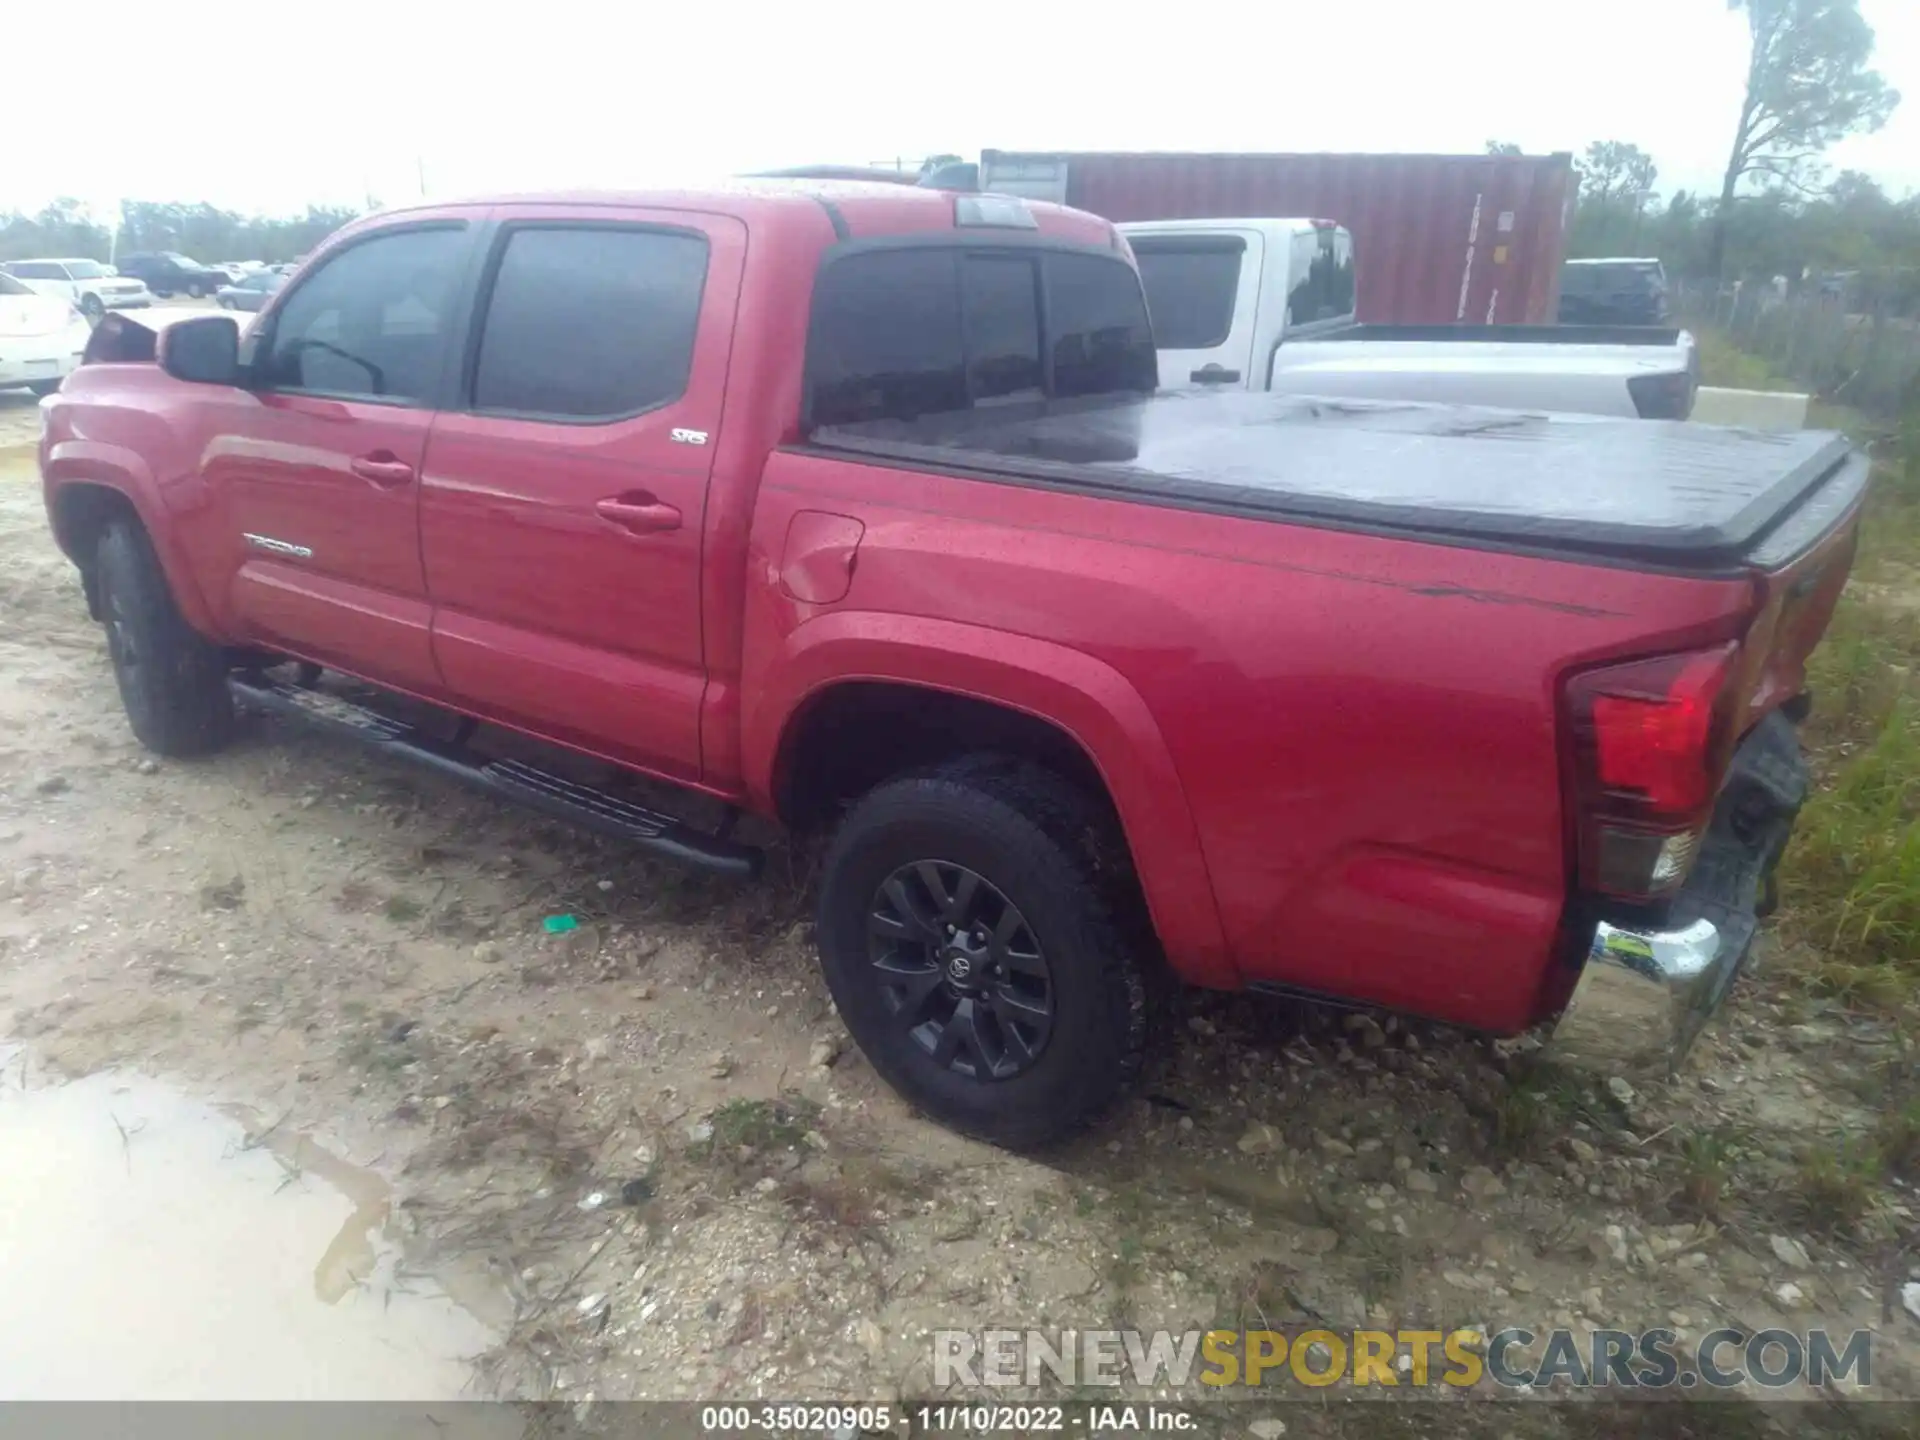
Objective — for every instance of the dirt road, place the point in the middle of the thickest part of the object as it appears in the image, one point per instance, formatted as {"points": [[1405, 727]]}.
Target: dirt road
{"points": [[642, 1152]]}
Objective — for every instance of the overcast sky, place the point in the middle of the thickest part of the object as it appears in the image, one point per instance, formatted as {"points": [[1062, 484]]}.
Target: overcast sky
{"points": [[268, 107]]}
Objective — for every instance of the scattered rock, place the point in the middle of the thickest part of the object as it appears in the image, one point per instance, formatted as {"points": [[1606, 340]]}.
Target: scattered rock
{"points": [[146, 766], [1366, 1030], [223, 894], [1260, 1139], [1333, 1145], [1910, 1297], [1482, 1183], [593, 1201], [872, 1339], [488, 953], [54, 784], [638, 1190], [826, 1050], [1621, 1090], [1585, 1153], [1789, 1295], [1317, 1240], [1790, 1252], [700, 1132], [590, 1304], [720, 1066], [1267, 1429], [1421, 1183]]}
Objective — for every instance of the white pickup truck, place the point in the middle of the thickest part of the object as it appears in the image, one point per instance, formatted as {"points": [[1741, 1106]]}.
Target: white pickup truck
{"points": [[1269, 305]]}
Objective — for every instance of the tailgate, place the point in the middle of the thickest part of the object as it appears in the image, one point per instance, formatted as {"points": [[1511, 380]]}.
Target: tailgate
{"points": [[1799, 572]]}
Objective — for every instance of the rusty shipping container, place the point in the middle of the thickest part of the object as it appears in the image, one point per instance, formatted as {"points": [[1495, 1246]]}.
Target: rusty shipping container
{"points": [[1438, 239]]}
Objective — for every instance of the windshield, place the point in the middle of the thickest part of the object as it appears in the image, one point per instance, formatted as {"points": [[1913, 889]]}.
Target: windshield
{"points": [[87, 270], [184, 260], [11, 286]]}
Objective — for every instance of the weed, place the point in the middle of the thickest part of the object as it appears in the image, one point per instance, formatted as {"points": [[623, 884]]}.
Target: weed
{"points": [[747, 1130], [1706, 1164], [1897, 1137], [1837, 1184], [402, 910]]}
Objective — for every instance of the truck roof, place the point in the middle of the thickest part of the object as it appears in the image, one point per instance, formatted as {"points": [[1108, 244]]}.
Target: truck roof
{"points": [[1670, 492], [861, 207]]}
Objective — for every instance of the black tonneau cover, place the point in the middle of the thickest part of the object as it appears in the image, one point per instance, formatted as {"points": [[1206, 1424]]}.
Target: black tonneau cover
{"points": [[1663, 490]]}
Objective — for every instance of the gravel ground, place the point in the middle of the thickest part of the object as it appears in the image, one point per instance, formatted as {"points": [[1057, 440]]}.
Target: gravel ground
{"points": [[649, 1143]]}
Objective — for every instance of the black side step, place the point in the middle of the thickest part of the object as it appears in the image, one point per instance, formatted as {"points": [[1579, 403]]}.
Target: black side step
{"points": [[513, 780]]}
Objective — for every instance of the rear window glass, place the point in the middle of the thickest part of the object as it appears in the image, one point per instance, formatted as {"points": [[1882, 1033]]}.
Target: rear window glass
{"points": [[1191, 287], [590, 324], [902, 333]]}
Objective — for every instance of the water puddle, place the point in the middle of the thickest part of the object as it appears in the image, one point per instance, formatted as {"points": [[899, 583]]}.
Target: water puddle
{"points": [[149, 1249]]}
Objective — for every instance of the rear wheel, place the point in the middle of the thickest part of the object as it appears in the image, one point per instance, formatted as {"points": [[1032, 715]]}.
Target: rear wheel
{"points": [[172, 682], [972, 929], [93, 307]]}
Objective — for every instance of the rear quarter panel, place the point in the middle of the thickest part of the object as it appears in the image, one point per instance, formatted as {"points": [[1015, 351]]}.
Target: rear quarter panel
{"points": [[1335, 753]]}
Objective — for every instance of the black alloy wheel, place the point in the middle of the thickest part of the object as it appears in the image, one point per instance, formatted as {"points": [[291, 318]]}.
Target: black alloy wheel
{"points": [[961, 970]]}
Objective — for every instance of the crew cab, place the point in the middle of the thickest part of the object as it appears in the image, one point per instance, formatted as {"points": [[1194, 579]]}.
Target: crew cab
{"points": [[1269, 305], [853, 508]]}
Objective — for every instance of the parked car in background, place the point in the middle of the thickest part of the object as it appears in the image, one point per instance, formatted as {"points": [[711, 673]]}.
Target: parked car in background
{"points": [[42, 337], [1614, 292], [171, 273], [855, 507], [1270, 305], [87, 285], [250, 292]]}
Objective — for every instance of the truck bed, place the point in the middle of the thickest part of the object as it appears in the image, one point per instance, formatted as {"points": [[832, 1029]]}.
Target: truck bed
{"points": [[1675, 494], [1654, 335]]}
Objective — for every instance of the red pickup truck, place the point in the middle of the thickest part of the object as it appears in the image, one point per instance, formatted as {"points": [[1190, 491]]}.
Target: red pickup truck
{"points": [[851, 507]]}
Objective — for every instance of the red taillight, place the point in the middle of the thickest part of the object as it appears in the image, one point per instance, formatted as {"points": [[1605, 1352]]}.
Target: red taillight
{"points": [[1651, 743]]}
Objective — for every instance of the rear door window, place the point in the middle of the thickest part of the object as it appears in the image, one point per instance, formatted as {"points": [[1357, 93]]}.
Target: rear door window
{"points": [[902, 333], [1191, 287], [590, 323], [1322, 277]]}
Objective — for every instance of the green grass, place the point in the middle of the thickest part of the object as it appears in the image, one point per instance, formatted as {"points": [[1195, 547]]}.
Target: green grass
{"points": [[1851, 880]]}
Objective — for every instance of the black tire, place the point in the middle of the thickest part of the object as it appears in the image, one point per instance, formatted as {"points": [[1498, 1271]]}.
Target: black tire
{"points": [[172, 681], [93, 307], [1044, 851], [43, 387], [195, 290]]}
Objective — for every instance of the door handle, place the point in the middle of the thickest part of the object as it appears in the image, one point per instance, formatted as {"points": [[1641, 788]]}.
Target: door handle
{"points": [[642, 514], [382, 469], [1214, 375]]}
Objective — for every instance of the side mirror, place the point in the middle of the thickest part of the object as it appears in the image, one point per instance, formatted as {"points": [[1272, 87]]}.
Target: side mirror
{"points": [[204, 350]]}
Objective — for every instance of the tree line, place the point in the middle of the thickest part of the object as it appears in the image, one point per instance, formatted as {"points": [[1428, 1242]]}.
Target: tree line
{"points": [[205, 232], [1810, 83]]}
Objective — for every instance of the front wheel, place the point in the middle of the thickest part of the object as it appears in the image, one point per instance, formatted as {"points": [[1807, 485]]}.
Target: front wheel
{"points": [[172, 681], [93, 307], [195, 290], [972, 932]]}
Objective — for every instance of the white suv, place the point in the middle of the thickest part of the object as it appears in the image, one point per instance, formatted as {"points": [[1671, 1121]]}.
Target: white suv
{"points": [[87, 285]]}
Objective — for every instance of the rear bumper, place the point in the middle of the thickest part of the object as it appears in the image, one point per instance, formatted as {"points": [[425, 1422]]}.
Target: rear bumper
{"points": [[1644, 996], [1648, 986]]}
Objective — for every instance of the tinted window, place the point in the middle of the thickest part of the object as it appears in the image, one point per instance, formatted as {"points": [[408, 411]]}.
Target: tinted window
{"points": [[886, 338], [1191, 287], [902, 333], [1322, 276], [86, 270], [372, 321], [11, 286], [1000, 311], [37, 270], [1097, 327], [590, 324]]}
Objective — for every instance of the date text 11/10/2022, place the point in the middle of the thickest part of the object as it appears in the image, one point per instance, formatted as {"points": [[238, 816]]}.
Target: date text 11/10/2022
{"points": [[955, 1419]]}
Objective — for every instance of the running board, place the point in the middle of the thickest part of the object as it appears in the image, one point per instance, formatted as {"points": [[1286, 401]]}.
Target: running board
{"points": [[514, 780]]}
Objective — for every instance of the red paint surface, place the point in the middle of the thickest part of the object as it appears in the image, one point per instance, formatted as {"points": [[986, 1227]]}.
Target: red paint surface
{"points": [[1336, 756], [1412, 219]]}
